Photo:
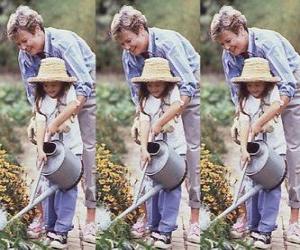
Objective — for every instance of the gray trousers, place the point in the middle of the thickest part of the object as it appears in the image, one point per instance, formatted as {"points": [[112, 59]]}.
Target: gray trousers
{"points": [[191, 123], [291, 124], [87, 123]]}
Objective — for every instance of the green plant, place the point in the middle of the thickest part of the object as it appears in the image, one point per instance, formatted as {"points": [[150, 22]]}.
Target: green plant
{"points": [[13, 188], [118, 237], [215, 187], [113, 186]]}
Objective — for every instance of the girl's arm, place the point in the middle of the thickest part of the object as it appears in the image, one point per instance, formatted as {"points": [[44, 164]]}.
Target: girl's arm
{"points": [[170, 113], [244, 123], [144, 133], [40, 122], [270, 113]]}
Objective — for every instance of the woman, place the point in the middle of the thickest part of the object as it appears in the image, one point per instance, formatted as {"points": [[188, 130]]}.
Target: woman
{"points": [[129, 28], [229, 29]]}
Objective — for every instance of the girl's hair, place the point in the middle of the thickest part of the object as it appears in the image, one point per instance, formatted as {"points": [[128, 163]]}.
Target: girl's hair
{"points": [[40, 94], [144, 94], [24, 18], [229, 19], [128, 18], [244, 94]]}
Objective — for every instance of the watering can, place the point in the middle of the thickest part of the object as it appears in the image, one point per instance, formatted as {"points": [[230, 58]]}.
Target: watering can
{"points": [[266, 168], [62, 168], [166, 168]]}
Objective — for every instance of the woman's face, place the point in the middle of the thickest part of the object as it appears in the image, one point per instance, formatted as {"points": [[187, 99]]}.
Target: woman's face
{"points": [[156, 88], [134, 43], [31, 43], [52, 89], [256, 89], [236, 44]]}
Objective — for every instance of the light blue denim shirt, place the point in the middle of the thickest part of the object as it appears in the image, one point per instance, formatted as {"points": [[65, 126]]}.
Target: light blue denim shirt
{"points": [[168, 44], [282, 57], [80, 61]]}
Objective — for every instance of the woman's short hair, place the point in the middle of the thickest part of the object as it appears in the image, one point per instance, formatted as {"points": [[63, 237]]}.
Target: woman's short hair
{"points": [[24, 18], [229, 19], [128, 18]]}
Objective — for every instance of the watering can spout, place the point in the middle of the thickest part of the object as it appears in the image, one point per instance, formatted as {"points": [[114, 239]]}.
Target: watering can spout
{"points": [[241, 200], [31, 205], [145, 197]]}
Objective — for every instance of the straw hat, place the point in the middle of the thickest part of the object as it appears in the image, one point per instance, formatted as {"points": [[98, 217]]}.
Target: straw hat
{"points": [[256, 69], [156, 69], [52, 69]]}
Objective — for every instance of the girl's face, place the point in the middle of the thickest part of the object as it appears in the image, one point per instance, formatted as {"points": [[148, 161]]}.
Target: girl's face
{"points": [[52, 88], [256, 89], [156, 88], [135, 44], [236, 44], [31, 43]]}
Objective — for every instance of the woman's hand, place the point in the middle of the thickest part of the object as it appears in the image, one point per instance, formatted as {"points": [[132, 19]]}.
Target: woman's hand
{"points": [[256, 128], [52, 128], [156, 128]]}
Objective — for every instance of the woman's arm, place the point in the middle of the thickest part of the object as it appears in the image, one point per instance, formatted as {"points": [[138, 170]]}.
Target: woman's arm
{"points": [[269, 114], [169, 114]]}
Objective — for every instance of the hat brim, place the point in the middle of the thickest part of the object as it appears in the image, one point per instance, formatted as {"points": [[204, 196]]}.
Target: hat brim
{"points": [[51, 79], [155, 79], [273, 79]]}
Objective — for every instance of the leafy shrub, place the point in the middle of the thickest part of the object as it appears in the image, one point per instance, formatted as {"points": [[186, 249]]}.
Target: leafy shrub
{"points": [[113, 186], [215, 101], [13, 189], [14, 104], [215, 187]]}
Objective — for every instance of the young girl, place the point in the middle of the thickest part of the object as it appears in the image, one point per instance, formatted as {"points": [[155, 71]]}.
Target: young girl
{"points": [[160, 105], [54, 91], [259, 104]]}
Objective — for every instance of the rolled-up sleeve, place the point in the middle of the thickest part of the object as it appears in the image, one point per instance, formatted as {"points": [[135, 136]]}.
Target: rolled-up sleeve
{"points": [[180, 64], [75, 61], [279, 63]]}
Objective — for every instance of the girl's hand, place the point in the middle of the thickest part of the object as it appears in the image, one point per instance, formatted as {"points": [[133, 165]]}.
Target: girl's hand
{"points": [[245, 156], [145, 156], [156, 128], [42, 156]]}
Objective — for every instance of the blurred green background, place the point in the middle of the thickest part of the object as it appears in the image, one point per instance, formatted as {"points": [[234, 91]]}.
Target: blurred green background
{"points": [[278, 15], [75, 15]]}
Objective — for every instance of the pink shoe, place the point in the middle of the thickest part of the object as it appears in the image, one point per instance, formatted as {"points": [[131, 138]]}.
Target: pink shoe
{"points": [[36, 228], [139, 229], [239, 229]]}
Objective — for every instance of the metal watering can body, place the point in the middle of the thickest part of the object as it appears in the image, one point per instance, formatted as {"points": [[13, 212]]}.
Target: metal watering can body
{"points": [[62, 168], [266, 167], [166, 167]]}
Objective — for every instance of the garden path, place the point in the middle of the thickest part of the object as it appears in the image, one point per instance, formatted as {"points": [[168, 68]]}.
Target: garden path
{"points": [[27, 159], [278, 237], [131, 159]]}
